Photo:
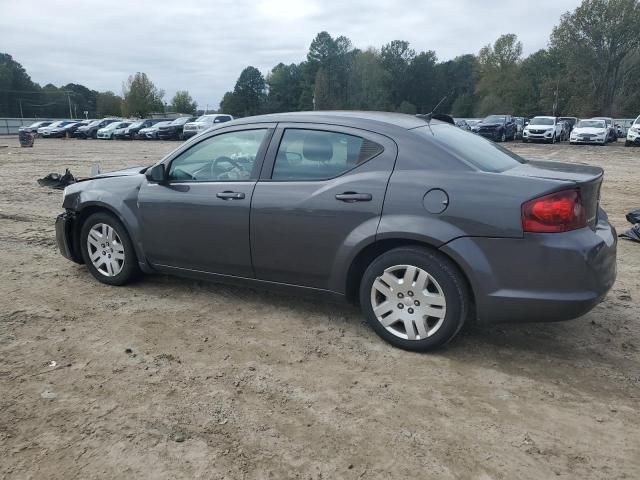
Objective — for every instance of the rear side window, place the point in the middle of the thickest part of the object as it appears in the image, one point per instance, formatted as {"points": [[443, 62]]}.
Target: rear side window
{"points": [[470, 148], [320, 155]]}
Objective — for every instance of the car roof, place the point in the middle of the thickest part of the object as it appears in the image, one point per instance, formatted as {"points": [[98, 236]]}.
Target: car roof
{"points": [[543, 116], [348, 118]]}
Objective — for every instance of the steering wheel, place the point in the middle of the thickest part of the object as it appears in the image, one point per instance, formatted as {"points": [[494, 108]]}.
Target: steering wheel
{"points": [[233, 163]]}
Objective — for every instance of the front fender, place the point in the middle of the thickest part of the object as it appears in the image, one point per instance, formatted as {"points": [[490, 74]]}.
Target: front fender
{"points": [[118, 195]]}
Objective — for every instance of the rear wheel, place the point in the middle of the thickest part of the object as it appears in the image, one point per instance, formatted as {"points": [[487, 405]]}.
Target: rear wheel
{"points": [[503, 137], [107, 250], [414, 298]]}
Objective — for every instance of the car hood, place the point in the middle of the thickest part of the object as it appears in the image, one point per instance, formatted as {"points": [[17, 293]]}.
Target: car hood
{"points": [[592, 130], [127, 172]]}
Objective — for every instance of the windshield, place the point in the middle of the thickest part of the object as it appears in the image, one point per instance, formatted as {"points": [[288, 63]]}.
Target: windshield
{"points": [[606, 120], [494, 119], [136, 124], [471, 149], [591, 124], [203, 118], [181, 121], [541, 121], [94, 123], [637, 122]]}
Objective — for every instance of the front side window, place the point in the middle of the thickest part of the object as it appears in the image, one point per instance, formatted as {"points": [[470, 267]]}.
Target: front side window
{"points": [[319, 155], [225, 157]]}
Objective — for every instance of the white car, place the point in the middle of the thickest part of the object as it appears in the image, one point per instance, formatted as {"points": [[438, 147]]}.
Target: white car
{"points": [[203, 123], [590, 131], [611, 129], [542, 129], [106, 133], [151, 132], [633, 134]]}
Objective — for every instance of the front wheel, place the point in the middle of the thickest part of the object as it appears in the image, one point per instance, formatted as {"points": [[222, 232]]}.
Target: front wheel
{"points": [[503, 137], [414, 298], [107, 250]]}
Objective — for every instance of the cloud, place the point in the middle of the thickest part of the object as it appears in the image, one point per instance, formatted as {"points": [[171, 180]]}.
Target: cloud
{"points": [[203, 46]]}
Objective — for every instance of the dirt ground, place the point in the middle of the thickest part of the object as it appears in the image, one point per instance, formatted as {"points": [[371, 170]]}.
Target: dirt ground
{"points": [[171, 378]]}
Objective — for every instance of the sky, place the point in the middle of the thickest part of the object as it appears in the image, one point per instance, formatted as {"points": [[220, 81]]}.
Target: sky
{"points": [[203, 45]]}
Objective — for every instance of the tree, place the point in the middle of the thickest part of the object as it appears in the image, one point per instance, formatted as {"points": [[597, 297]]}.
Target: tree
{"points": [[248, 96], [396, 57], [498, 66], [601, 38], [285, 84], [108, 104], [16, 88], [367, 82], [141, 96], [183, 103]]}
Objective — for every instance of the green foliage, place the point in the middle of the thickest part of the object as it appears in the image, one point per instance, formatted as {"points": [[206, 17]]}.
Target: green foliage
{"points": [[183, 103], [141, 96], [600, 41], [248, 96], [108, 104]]}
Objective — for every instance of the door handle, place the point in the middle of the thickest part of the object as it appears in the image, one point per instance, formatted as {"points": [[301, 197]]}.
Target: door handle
{"points": [[230, 195], [354, 197]]}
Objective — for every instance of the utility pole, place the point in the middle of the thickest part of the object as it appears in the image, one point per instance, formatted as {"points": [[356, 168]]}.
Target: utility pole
{"points": [[20, 102], [70, 112]]}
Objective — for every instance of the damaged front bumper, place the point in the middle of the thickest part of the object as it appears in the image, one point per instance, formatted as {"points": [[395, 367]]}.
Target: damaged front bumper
{"points": [[66, 237]]}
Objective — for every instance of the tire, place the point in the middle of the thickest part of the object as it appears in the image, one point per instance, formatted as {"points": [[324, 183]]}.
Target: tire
{"points": [[503, 137], [445, 286], [553, 139], [128, 268], [94, 135]]}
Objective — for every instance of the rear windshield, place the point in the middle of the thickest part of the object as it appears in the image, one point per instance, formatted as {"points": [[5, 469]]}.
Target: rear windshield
{"points": [[470, 148]]}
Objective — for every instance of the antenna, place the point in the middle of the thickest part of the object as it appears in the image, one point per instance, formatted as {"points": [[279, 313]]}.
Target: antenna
{"points": [[429, 116]]}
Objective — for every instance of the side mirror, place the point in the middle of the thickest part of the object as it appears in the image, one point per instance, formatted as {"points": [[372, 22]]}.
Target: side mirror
{"points": [[156, 174]]}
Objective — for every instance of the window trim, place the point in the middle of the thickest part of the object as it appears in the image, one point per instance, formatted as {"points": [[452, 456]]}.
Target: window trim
{"points": [[266, 175], [257, 165]]}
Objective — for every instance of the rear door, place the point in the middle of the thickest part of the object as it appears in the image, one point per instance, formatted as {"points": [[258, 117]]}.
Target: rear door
{"points": [[320, 192]]}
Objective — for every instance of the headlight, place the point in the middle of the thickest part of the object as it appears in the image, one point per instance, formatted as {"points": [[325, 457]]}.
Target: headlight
{"points": [[635, 129]]}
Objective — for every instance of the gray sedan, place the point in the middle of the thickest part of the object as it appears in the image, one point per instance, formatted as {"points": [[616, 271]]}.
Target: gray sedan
{"points": [[426, 226]]}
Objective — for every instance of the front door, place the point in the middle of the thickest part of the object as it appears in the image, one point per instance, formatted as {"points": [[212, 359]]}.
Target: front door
{"points": [[321, 192], [199, 218]]}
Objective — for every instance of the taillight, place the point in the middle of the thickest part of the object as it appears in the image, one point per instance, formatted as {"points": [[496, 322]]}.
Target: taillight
{"points": [[556, 212]]}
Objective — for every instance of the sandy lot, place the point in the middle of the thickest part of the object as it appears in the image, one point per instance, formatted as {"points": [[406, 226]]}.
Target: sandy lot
{"points": [[172, 378]]}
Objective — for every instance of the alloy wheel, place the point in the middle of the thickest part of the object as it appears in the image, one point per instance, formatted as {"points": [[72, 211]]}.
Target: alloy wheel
{"points": [[408, 302], [105, 249]]}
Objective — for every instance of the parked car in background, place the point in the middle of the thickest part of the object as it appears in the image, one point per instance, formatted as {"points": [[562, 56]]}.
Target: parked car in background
{"points": [[45, 132], [633, 134], [174, 131], [565, 130], [91, 130], [68, 130], [426, 226], [612, 135], [151, 133], [542, 129], [462, 123], [134, 130], [119, 133], [590, 131], [498, 128], [33, 128], [572, 121], [106, 133], [620, 133], [203, 123], [474, 124], [520, 124]]}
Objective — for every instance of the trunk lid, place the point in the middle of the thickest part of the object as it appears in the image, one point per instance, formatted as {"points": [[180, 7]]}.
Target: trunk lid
{"points": [[587, 178]]}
